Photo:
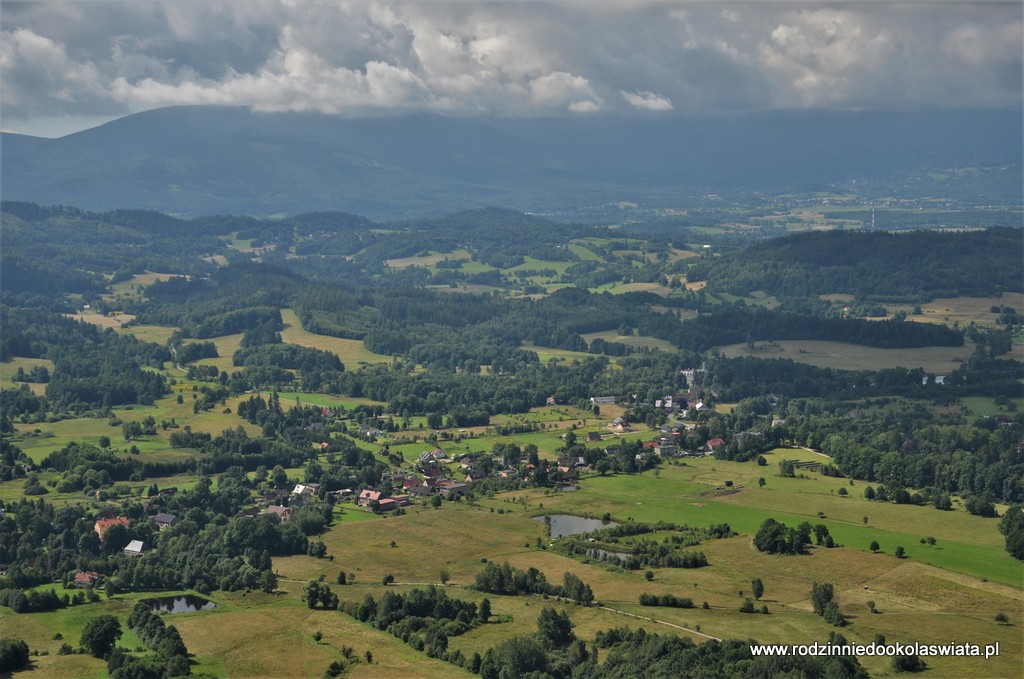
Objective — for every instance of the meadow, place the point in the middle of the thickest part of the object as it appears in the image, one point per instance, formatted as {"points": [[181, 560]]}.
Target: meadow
{"points": [[847, 356]]}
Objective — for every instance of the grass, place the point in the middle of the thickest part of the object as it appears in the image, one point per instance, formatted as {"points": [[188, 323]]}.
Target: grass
{"points": [[350, 351], [428, 260], [962, 310], [846, 356], [640, 341], [983, 406], [8, 369]]}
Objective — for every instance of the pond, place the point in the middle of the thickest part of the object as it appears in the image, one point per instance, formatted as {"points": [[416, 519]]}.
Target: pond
{"points": [[183, 603], [566, 524]]}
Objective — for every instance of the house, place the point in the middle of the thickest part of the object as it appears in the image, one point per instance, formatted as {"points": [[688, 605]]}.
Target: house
{"points": [[282, 513], [474, 476], [165, 521], [602, 400], [452, 491], [433, 472], [387, 504], [344, 492], [86, 578], [419, 489], [550, 401], [251, 512], [564, 475], [103, 525], [370, 432], [714, 444], [508, 473], [306, 489], [134, 548], [665, 450], [593, 436], [620, 425], [367, 496]]}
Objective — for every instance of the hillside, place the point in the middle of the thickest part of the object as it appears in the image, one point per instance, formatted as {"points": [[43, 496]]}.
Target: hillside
{"points": [[209, 160]]}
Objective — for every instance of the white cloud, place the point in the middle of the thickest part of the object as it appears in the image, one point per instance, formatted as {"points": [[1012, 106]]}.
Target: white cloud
{"points": [[647, 101], [362, 56], [584, 107]]}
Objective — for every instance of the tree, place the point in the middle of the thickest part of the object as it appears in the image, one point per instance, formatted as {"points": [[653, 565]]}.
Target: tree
{"points": [[787, 469], [1012, 528], [761, 482], [649, 575], [484, 610], [747, 606], [555, 628], [100, 635], [980, 506], [757, 587], [874, 547], [869, 493], [104, 442], [342, 578], [435, 502], [444, 576], [13, 655], [900, 552], [821, 595]]}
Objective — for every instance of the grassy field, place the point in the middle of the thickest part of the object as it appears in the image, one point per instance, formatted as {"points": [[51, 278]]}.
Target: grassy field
{"points": [[101, 320], [846, 356], [428, 260], [630, 340], [962, 310], [983, 406], [350, 351], [8, 369]]}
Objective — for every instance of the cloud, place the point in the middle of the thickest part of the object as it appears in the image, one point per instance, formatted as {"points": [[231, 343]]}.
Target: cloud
{"points": [[647, 101], [584, 107], [367, 56]]}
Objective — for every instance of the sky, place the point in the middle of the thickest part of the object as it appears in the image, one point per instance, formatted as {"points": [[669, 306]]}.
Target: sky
{"points": [[66, 66]]}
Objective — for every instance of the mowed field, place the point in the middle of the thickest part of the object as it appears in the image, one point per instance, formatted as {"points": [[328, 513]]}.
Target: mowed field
{"points": [[350, 351], [639, 341], [846, 356], [8, 369], [963, 310]]}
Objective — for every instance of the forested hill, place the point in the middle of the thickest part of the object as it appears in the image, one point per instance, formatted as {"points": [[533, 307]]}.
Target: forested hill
{"points": [[885, 267], [213, 160]]}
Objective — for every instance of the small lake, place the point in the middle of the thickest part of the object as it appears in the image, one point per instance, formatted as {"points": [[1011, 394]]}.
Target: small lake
{"points": [[566, 524], [185, 603]]}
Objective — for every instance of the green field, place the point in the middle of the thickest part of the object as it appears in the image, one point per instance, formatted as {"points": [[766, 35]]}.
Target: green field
{"points": [[846, 356], [636, 341]]}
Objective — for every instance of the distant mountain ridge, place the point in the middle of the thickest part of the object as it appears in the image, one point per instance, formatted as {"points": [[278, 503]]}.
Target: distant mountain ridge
{"points": [[216, 160]]}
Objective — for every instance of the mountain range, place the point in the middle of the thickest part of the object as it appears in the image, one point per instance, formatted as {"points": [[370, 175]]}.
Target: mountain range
{"points": [[217, 160]]}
